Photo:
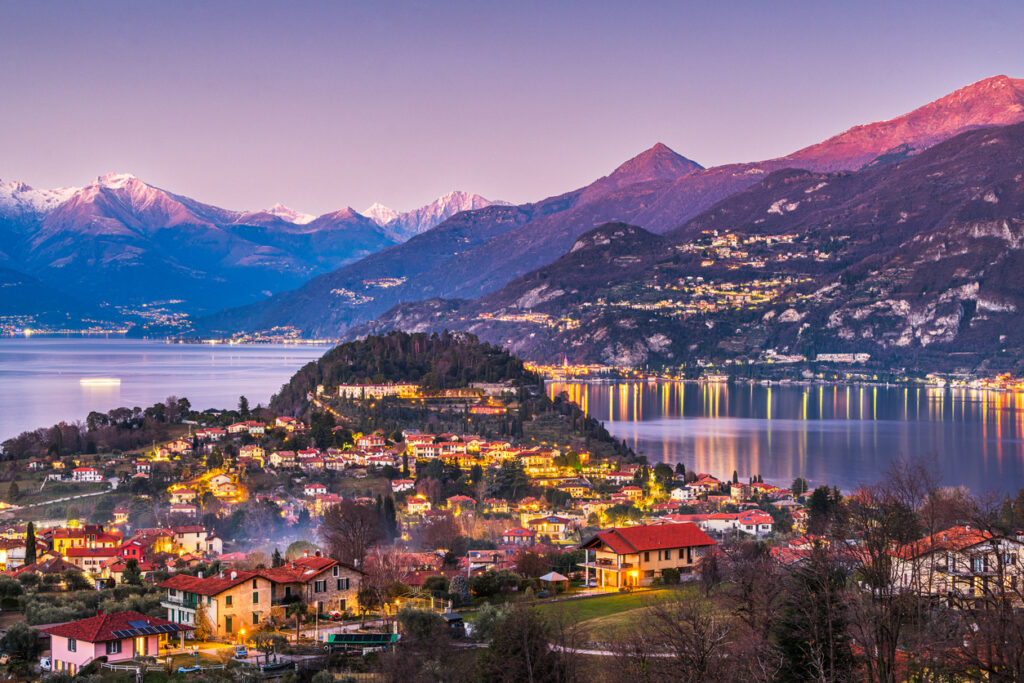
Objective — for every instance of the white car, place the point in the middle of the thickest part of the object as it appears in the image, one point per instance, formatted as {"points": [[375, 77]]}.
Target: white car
{"points": [[44, 663]]}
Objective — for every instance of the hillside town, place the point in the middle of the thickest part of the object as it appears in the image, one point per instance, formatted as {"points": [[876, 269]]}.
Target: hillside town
{"points": [[387, 518]]}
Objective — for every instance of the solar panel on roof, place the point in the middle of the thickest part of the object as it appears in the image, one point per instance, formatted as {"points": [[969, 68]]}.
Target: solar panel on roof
{"points": [[138, 623], [119, 634]]}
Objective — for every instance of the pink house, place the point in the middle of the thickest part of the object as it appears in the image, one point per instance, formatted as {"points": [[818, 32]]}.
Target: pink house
{"points": [[117, 637]]}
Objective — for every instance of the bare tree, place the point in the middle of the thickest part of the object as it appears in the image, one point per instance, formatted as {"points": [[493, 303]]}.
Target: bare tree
{"points": [[349, 530]]}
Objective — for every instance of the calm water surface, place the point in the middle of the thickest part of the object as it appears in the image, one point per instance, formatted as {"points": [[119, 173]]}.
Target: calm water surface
{"points": [[40, 377], [842, 436]]}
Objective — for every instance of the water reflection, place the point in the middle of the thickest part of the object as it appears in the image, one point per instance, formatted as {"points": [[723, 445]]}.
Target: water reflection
{"points": [[843, 436]]}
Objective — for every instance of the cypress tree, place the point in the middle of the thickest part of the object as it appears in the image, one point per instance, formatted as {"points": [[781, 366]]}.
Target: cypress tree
{"points": [[30, 544]]}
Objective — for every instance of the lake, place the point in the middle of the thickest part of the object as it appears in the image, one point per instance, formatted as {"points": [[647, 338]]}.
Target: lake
{"points": [[837, 435], [41, 378]]}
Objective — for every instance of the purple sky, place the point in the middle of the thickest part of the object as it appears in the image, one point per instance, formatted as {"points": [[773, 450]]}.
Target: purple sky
{"points": [[333, 104]]}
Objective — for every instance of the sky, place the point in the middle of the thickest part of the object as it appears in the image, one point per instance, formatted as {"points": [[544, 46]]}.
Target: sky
{"points": [[322, 105]]}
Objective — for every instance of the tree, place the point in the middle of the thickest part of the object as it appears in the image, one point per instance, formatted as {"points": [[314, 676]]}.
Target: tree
{"points": [[297, 610], [30, 544], [520, 650], [204, 629], [131, 575], [735, 477], [21, 640], [298, 549], [812, 630], [663, 475], [459, 589], [349, 529], [276, 560], [13, 492], [420, 625], [267, 642], [243, 406], [531, 564], [799, 487], [321, 429]]}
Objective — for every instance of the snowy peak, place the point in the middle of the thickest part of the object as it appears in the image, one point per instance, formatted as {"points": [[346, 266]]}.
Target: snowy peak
{"points": [[405, 225], [20, 199], [290, 215], [380, 214]]}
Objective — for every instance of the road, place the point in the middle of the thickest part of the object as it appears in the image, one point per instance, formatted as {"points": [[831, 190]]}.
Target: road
{"points": [[113, 485]]}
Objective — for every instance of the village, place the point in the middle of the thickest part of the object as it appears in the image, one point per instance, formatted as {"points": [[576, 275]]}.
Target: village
{"points": [[365, 522]]}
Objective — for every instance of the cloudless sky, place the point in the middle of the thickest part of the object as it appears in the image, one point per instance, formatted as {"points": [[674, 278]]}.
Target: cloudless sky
{"points": [[321, 105]]}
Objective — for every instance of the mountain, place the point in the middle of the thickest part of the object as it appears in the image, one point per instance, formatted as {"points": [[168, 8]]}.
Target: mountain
{"points": [[124, 242], [917, 263], [658, 190], [405, 225]]}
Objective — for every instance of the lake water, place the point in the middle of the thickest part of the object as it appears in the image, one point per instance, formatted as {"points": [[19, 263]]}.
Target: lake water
{"points": [[838, 435], [41, 377]]}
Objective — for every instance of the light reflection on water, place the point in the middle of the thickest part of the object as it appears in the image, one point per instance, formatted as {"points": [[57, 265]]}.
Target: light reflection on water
{"points": [[840, 435]]}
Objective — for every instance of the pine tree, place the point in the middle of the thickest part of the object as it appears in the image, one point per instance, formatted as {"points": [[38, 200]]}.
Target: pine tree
{"points": [[13, 491], [30, 544], [276, 560], [735, 477], [131, 575]]}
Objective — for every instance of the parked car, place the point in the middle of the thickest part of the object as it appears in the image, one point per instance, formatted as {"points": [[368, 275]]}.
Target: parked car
{"points": [[241, 652], [44, 663]]}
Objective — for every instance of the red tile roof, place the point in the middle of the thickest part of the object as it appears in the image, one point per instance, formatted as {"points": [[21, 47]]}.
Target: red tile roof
{"points": [[212, 585], [100, 628], [953, 539], [92, 552], [635, 539]]}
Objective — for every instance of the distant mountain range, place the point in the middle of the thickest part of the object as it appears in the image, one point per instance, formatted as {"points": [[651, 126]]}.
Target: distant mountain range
{"points": [[920, 260], [120, 242], [479, 252], [405, 225]]}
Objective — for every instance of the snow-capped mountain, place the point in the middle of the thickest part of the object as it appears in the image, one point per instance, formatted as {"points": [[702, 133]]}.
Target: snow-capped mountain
{"points": [[405, 225], [290, 215], [17, 198]]}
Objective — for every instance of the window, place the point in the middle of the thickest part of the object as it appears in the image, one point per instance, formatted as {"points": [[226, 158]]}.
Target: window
{"points": [[1009, 558], [171, 593], [978, 564], [113, 647], [72, 645], [255, 619], [335, 570], [255, 597], [254, 584], [343, 584], [647, 556], [227, 624], [227, 601], [668, 554], [320, 586]]}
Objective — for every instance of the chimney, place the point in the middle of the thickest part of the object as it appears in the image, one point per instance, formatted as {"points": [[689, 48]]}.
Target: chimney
{"points": [[305, 553], [234, 575], [293, 564], [200, 574], [99, 613], [222, 574]]}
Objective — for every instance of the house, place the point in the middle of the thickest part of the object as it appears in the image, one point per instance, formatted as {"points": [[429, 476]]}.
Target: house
{"points": [[233, 602], [417, 505], [634, 556], [114, 569], [289, 424], [518, 536], [143, 467], [961, 561], [196, 539], [115, 637], [555, 528], [461, 504], [398, 485], [283, 459], [183, 496], [12, 552], [183, 509], [632, 493], [684, 493], [321, 583], [180, 446], [91, 560], [89, 536], [86, 474], [370, 441], [311, 490]]}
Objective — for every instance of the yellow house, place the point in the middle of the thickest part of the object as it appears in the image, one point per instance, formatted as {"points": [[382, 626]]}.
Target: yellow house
{"points": [[634, 556], [235, 602]]}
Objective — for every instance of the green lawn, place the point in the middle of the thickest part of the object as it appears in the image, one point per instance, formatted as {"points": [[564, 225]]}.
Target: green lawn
{"points": [[585, 609]]}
